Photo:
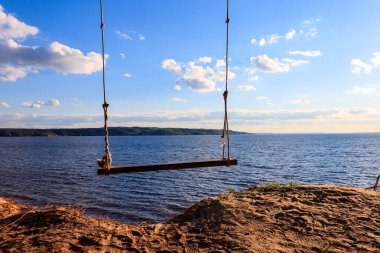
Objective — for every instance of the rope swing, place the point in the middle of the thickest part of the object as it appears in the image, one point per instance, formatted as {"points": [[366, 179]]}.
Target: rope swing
{"points": [[105, 164], [226, 130]]}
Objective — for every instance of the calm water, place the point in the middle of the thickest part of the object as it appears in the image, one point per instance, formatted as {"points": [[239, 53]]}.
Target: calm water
{"points": [[62, 170]]}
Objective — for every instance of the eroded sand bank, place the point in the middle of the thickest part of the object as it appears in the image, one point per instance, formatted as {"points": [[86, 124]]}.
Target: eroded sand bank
{"points": [[305, 218]]}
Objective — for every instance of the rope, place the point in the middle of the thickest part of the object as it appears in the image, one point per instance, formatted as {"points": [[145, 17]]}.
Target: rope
{"points": [[107, 158], [226, 131]]}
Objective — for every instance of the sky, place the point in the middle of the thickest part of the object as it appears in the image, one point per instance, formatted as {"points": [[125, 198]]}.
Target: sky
{"points": [[295, 66]]}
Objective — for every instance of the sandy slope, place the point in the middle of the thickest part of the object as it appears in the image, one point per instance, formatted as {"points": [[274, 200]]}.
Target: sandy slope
{"points": [[305, 218]]}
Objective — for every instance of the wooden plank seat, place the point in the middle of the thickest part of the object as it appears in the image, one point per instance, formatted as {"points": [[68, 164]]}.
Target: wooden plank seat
{"points": [[166, 166]]}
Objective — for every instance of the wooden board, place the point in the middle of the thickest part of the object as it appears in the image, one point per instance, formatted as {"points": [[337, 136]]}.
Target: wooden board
{"points": [[167, 166]]}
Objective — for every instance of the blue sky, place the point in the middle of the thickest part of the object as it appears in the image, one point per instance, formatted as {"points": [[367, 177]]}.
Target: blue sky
{"points": [[310, 66]]}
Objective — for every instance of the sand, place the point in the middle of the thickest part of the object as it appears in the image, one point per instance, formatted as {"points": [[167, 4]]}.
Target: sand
{"points": [[304, 218]]}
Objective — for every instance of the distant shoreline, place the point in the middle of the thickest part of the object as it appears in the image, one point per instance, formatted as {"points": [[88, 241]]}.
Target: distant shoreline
{"points": [[113, 131]]}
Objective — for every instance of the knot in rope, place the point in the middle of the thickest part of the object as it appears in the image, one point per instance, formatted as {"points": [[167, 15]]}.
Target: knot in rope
{"points": [[225, 94]]}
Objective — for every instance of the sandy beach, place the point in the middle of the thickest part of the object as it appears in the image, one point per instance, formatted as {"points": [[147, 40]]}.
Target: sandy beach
{"points": [[272, 218]]}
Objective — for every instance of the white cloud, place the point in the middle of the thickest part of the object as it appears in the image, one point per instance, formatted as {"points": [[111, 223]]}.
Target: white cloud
{"points": [[38, 104], [358, 66], [18, 60], [122, 55], [300, 101], [274, 38], [172, 66], [127, 75], [375, 60], [290, 35], [246, 88], [53, 102], [123, 35], [205, 59], [264, 99], [312, 33], [262, 42], [130, 35], [312, 21], [273, 65], [293, 62], [4, 104], [220, 63], [353, 119], [360, 90], [270, 40], [199, 78], [34, 105], [141, 37], [307, 53], [12, 28], [178, 100], [254, 78], [177, 87]]}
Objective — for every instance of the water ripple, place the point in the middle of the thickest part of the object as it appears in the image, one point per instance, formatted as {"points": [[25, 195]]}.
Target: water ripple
{"points": [[62, 170]]}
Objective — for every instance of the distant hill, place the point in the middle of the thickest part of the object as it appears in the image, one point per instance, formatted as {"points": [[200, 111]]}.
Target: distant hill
{"points": [[113, 131]]}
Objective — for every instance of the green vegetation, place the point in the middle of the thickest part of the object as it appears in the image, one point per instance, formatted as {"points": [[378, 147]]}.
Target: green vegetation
{"points": [[230, 190], [113, 131], [273, 186]]}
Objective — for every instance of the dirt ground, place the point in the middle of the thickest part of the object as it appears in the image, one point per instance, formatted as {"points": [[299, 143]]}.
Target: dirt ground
{"points": [[273, 218]]}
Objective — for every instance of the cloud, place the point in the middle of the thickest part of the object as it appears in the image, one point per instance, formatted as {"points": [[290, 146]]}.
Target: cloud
{"points": [[53, 102], [360, 90], [17, 60], [307, 53], [34, 105], [266, 64], [4, 104], [12, 28], [38, 104], [253, 78], [300, 101], [177, 87], [130, 35], [141, 37], [355, 119], [199, 78], [220, 63], [123, 35], [358, 66], [178, 100], [246, 88], [312, 33], [127, 75], [264, 99], [172, 66], [274, 38], [290, 35], [312, 21], [205, 59]]}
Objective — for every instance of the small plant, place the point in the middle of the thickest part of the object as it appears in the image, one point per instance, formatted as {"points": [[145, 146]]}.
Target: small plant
{"points": [[230, 190], [291, 183]]}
